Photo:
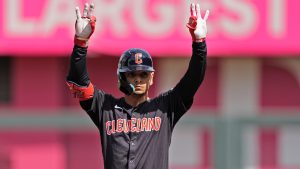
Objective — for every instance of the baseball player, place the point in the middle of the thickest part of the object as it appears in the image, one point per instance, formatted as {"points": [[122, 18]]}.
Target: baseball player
{"points": [[136, 130]]}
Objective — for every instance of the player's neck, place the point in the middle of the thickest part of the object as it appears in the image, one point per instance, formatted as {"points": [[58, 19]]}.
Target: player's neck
{"points": [[134, 99]]}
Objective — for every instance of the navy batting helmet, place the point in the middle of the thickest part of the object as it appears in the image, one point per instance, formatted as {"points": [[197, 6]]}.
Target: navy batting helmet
{"points": [[133, 59]]}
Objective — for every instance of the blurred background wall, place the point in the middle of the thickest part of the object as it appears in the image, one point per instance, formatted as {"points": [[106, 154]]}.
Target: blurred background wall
{"points": [[246, 114]]}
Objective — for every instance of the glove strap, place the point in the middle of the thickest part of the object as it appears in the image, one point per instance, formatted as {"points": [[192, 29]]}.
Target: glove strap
{"points": [[81, 41], [199, 40]]}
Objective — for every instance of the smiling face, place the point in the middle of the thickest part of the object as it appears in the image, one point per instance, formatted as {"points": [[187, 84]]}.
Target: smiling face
{"points": [[141, 80]]}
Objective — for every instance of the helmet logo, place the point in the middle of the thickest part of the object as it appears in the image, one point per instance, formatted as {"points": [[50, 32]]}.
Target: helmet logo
{"points": [[138, 58]]}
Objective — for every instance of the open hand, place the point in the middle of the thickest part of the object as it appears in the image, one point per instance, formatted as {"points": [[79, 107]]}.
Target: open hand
{"points": [[197, 24], [85, 25]]}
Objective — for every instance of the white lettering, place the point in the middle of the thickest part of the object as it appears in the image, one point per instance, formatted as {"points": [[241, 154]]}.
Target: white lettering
{"points": [[276, 18], [16, 25], [247, 20], [159, 27], [57, 14], [148, 19], [111, 16]]}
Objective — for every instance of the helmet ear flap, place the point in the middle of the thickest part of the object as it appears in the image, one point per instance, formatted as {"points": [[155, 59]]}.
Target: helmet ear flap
{"points": [[123, 84]]}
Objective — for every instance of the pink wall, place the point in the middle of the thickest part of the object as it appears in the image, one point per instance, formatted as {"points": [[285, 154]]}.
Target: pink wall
{"points": [[38, 83], [34, 80], [50, 150], [239, 28], [280, 87]]}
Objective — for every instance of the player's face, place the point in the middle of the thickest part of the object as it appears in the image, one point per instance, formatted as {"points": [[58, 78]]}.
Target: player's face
{"points": [[141, 80]]}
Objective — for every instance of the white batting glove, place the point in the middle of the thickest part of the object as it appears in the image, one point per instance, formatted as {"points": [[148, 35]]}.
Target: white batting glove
{"points": [[197, 24], [85, 25]]}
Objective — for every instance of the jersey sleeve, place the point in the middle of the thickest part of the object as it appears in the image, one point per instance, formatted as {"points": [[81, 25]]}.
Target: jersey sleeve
{"points": [[78, 73], [94, 106], [192, 79], [78, 79], [173, 105], [178, 100]]}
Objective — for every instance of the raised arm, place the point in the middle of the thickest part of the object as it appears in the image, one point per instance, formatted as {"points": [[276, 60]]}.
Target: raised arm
{"points": [[77, 78], [192, 79]]}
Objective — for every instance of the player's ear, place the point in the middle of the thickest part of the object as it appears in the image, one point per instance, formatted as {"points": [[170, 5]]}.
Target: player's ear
{"points": [[151, 78]]}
